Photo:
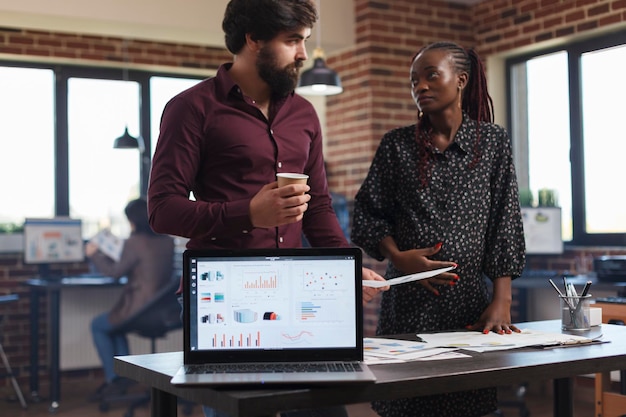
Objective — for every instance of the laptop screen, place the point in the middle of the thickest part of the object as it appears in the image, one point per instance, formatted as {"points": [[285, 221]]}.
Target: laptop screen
{"points": [[273, 304]]}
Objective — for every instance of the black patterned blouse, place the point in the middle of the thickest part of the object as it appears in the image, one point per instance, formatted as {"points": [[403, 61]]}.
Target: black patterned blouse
{"points": [[473, 209]]}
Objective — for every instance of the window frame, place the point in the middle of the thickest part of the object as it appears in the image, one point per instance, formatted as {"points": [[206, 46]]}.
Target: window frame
{"points": [[62, 73], [574, 52]]}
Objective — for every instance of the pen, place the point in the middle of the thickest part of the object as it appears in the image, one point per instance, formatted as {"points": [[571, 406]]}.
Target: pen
{"points": [[585, 289], [560, 293], [580, 301], [555, 287]]}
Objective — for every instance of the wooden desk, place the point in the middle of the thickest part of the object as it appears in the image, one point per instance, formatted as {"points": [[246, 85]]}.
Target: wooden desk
{"points": [[608, 403], [419, 378]]}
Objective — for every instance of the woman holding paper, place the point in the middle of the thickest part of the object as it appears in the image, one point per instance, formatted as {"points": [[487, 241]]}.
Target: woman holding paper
{"points": [[147, 261], [441, 192]]}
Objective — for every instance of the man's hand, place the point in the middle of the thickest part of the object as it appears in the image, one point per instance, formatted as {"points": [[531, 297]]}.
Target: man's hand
{"points": [[273, 206], [368, 292]]}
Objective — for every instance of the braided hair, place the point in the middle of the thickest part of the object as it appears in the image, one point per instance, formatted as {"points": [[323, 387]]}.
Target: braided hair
{"points": [[476, 102]]}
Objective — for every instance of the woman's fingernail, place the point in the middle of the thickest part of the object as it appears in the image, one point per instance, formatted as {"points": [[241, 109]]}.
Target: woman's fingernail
{"points": [[436, 292], [485, 331], [456, 277], [439, 245]]}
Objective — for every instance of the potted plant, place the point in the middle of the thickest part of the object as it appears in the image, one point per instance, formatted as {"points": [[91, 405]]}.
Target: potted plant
{"points": [[547, 198], [11, 237]]}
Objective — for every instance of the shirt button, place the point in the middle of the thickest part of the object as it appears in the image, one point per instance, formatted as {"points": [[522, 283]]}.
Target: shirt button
{"points": [[244, 231], [280, 239], [280, 164], [271, 131], [213, 238]]}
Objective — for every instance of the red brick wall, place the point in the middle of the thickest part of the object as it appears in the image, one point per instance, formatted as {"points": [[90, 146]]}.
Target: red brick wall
{"points": [[374, 72], [375, 75], [99, 50]]}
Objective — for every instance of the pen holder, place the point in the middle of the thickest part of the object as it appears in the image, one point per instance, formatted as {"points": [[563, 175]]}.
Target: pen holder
{"points": [[575, 313]]}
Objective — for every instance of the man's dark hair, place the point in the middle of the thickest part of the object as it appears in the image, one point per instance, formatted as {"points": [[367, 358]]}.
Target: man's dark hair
{"points": [[264, 19]]}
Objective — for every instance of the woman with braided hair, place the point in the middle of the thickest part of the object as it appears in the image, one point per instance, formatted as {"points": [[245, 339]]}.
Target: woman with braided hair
{"points": [[440, 192]]}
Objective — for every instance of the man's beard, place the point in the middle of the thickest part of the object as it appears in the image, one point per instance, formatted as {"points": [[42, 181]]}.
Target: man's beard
{"points": [[282, 81]]}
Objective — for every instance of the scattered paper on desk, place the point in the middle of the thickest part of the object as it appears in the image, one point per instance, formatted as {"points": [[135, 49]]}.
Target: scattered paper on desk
{"points": [[380, 351], [404, 350], [376, 360], [406, 278], [479, 342], [445, 355]]}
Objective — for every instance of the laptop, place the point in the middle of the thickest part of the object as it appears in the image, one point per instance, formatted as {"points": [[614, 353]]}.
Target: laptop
{"points": [[272, 316]]}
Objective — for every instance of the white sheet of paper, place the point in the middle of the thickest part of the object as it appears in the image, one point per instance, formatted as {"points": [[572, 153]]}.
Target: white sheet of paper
{"points": [[406, 278], [479, 342], [381, 350]]}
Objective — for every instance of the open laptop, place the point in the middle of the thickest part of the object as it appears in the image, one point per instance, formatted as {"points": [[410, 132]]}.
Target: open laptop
{"points": [[272, 316]]}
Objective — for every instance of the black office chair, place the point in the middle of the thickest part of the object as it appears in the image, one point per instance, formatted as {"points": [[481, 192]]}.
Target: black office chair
{"points": [[9, 371], [154, 321]]}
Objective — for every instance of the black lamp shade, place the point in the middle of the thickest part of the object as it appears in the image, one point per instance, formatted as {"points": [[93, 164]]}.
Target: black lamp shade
{"points": [[319, 80], [126, 141]]}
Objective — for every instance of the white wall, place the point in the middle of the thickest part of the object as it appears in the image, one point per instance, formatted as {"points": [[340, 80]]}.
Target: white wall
{"points": [[186, 21]]}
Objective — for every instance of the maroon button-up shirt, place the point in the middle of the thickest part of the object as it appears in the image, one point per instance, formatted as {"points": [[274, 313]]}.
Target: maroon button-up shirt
{"points": [[217, 144]]}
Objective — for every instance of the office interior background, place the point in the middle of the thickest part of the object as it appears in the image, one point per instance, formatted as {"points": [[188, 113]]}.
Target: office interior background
{"points": [[75, 74]]}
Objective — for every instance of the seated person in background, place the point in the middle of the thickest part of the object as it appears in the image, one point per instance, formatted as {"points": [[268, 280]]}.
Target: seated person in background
{"points": [[146, 260]]}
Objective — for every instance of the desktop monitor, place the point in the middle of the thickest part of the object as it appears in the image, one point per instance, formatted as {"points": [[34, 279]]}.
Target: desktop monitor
{"points": [[54, 240]]}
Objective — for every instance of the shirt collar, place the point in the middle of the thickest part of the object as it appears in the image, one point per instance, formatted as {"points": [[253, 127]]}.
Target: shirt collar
{"points": [[226, 85], [464, 138]]}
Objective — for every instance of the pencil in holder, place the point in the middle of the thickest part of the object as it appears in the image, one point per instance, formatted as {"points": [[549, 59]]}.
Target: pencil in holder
{"points": [[575, 313]]}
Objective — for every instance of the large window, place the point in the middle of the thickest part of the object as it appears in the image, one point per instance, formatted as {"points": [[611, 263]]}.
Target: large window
{"points": [[102, 179], [26, 143], [565, 107], [57, 128]]}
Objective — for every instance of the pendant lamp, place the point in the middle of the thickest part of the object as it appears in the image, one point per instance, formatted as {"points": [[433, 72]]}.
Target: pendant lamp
{"points": [[319, 80], [126, 141]]}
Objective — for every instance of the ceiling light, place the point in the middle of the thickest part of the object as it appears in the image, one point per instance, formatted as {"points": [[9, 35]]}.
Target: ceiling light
{"points": [[319, 80]]}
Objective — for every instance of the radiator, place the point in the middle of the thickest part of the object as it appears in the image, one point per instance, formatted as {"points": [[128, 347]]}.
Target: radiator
{"points": [[78, 307]]}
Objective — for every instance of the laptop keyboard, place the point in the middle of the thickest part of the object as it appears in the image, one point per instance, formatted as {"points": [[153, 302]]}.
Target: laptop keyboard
{"points": [[273, 368]]}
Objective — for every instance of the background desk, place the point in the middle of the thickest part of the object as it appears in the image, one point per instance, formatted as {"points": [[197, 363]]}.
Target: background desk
{"points": [[403, 380], [53, 288], [537, 300], [79, 291]]}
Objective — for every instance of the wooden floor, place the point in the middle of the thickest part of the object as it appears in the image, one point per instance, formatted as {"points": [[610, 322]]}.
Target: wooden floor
{"points": [[74, 403]]}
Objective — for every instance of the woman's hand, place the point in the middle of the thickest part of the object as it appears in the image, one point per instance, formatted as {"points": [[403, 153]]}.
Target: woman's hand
{"points": [[497, 316], [416, 260]]}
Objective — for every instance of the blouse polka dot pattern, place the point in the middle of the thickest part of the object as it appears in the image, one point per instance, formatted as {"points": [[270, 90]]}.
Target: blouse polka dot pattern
{"points": [[473, 210]]}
